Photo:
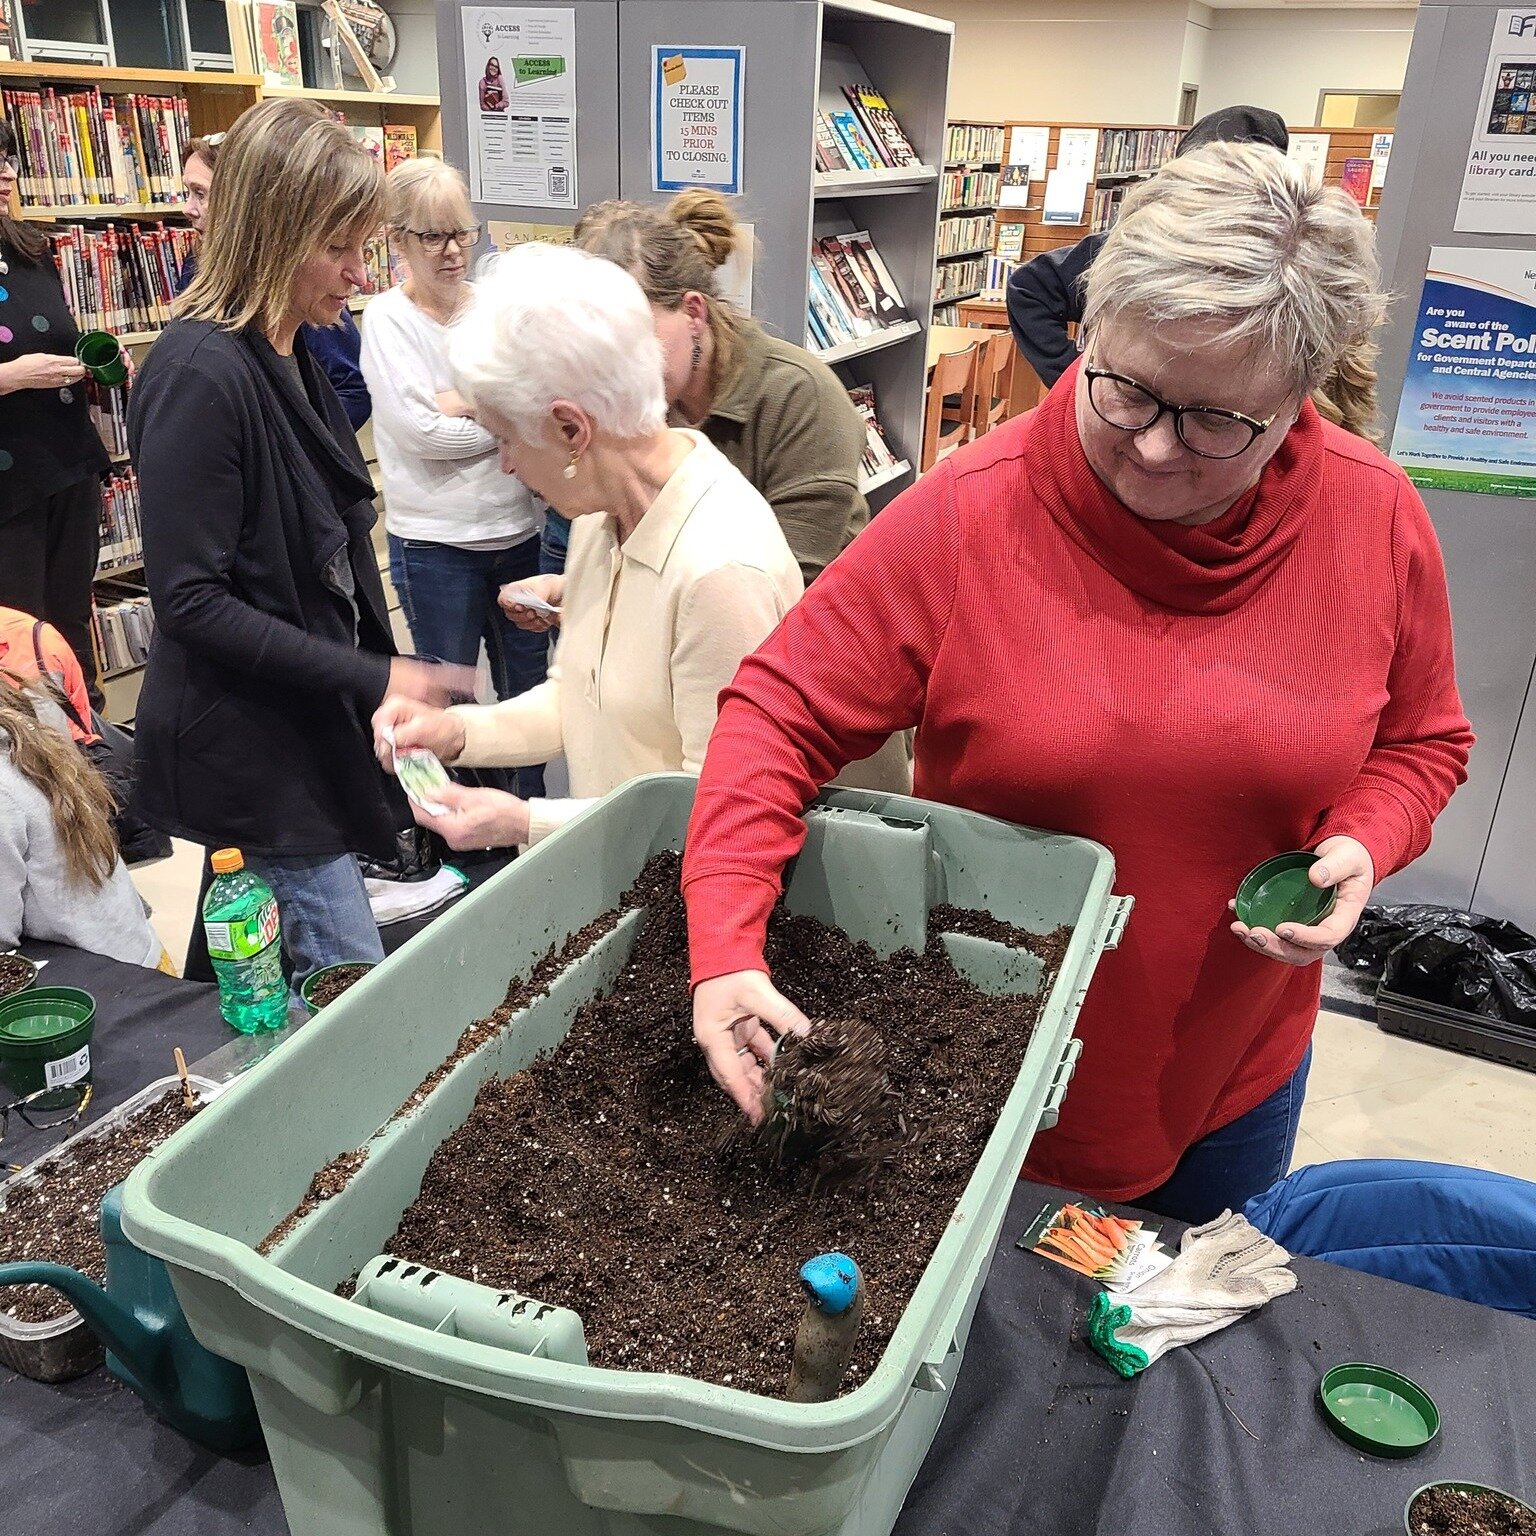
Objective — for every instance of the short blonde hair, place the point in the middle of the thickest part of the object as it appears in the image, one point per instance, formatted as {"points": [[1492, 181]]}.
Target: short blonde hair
{"points": [[550, 322], [1238, 235], [290, 181], [427, 194]]}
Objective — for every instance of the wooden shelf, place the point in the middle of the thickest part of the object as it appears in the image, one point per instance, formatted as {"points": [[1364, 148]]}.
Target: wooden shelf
{"points": [[118, 572], [138, 338], [959, 298], [868, 487], [866, 344], [101, 211], [872, 183], [111, 76], [352, 98]]}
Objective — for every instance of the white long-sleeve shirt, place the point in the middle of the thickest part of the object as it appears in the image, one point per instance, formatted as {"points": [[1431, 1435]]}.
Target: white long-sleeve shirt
{"points": [[650, 631], [442, 478]]}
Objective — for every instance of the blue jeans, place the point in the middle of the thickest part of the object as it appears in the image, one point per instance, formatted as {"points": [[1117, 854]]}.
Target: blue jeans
{"points": [[556, 541], [449, 598], [1225, 1170], [323, 905]]}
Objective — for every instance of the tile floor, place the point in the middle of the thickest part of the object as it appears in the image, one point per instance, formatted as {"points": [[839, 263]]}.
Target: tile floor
{"points": [[1370, 1095]]}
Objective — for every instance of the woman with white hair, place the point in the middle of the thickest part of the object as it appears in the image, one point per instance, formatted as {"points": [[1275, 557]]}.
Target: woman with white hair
{"points": [[459, 529], [1173, 610], [677, 567]]}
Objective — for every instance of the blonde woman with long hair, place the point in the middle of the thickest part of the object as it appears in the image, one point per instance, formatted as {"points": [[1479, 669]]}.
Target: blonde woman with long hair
{"points": [[273, 645], [61, 879]]}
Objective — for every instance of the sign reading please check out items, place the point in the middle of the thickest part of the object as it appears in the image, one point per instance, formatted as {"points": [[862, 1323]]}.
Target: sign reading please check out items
{"points": [[696, 118]]}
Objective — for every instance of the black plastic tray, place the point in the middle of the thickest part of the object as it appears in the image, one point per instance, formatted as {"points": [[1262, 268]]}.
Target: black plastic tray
{"points": [[1469, 1033]]}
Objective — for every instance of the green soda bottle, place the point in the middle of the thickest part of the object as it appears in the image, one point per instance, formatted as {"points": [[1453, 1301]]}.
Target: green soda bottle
{"points": [[245, 945]]}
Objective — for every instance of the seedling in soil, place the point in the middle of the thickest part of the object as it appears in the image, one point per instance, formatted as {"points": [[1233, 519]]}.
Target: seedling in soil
{"points": [[1446, 1510]]}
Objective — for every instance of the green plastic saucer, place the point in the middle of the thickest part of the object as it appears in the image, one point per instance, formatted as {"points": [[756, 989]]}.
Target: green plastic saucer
{"points": [[1377, 1410], [1280, 891]]}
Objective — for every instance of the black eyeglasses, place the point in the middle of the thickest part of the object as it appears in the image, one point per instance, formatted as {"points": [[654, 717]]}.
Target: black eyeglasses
{"points": [[1206, 430], [435, 241], [48, 1108]]}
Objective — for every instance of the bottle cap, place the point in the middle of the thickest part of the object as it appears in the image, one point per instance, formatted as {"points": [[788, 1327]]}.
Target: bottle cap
{"points": [[227, 860]]}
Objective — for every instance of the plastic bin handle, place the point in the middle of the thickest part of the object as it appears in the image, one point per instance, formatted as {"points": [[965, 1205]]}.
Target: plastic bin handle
{"points": [[1050, 1112], [1117, 915]]}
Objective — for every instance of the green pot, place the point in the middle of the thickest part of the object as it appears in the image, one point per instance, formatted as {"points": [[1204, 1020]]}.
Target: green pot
{"points": [[314, 1007], [45, 1038], [101, 355], [31, 981], [1469, 1487], [1280, 891]]}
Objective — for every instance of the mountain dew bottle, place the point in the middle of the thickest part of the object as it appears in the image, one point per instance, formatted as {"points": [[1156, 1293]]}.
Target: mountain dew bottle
{"points": [[245, 945]]}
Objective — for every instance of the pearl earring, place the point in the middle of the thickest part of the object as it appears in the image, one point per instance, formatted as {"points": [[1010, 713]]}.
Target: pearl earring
{"points": [[570, 469]]}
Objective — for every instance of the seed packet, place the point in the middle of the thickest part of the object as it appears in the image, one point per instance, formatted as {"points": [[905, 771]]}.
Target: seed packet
{"points": [[423, 778], [1114, 1250]]}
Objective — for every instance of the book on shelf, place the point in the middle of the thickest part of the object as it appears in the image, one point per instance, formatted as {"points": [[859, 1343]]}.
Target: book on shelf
{"points": [[958, 278], [880, 126], [120, 277], [852, 293], [972, 234], [1125, 151], [123, 631], [1106, 207], [399, 144], [999, 269], [1355, 178], [370, 137], [858, 154], [87, 148], [109, 415], [275, 36], [969, 189], [122, 538], [1010, 241], [878, 458], [10, 38], [974, 144]]}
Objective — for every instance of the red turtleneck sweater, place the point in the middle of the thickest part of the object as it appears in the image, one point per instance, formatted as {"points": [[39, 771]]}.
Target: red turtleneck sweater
{"points": [[1195, 698]]}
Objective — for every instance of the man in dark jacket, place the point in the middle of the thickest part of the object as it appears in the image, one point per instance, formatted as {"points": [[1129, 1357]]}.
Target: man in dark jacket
{"points": [[1045, 294]]}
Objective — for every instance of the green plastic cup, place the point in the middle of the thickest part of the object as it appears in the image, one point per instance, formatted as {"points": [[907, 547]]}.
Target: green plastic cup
{"points": [[1280, 891], [341, 965], [45, 1039], [101, 355], [1378, 1410], [1462, 1488]]}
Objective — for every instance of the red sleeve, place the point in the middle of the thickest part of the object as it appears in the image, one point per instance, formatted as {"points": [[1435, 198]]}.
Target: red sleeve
{"points": [[848, 666], [1423, 739]]}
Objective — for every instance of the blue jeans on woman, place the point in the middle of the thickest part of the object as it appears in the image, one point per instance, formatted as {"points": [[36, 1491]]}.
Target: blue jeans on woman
{"points": [[556, 541], [1225, 1170], [449, 598], [323, 906]]}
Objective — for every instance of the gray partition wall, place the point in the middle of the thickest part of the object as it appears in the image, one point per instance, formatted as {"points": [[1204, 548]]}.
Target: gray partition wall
{"points": [[1484, 852]]}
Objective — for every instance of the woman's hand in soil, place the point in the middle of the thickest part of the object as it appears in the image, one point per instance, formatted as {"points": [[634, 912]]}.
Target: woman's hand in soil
{"points": [[414, 724], [1342, 863], [735, 1019], [477, 818]]}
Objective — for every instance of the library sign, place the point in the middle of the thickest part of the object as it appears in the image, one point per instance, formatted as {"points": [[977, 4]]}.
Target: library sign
{"points": [[696, 118], [1467, 417]]}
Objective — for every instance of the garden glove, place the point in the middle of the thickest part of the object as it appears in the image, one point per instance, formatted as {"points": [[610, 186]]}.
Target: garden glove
{"points": [[1224, 1269]]}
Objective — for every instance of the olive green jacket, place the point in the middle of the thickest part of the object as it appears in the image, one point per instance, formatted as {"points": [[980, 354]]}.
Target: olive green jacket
{"points": [[786, 422]]}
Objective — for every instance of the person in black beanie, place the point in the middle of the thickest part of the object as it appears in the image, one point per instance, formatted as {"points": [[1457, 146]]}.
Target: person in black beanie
{"points": [[1045, 294]]}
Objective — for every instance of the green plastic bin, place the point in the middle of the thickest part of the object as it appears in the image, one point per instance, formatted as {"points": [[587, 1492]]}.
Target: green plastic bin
{"points": [[379, 1425]]}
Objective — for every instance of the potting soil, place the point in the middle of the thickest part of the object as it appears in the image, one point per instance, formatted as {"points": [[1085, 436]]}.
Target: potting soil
{"points": [[609, 1177], [336, 981], [15, 973], [1452, 1512], [56, 1217]]}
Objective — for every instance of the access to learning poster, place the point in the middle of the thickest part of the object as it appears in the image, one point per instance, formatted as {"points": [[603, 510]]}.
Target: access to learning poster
{"points": [[520, 83], [1467, 417]]}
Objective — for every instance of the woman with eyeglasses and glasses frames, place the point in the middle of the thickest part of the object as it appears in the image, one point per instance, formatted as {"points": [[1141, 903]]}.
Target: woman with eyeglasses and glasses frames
{"points": [[459, 529], [1173, 610]]}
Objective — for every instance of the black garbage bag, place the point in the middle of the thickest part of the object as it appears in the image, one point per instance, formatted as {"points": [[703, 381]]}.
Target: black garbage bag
{"points": [[1463, 960]]}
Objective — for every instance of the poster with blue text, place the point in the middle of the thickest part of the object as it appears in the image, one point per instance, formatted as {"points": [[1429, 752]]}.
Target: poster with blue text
{"points": [[1467, 417]]}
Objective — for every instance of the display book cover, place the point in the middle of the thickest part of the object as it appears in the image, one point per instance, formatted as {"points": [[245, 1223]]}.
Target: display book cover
{"points": [[275, 33]]}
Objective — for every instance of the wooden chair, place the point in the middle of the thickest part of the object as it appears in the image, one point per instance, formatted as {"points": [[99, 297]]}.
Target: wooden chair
{"points": [[951, 406], [994, 383]]}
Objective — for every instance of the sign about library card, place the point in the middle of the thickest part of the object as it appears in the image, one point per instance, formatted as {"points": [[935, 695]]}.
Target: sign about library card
{"points": [[696, 118], [1467, 417], [520, 81], [1498, 188]]}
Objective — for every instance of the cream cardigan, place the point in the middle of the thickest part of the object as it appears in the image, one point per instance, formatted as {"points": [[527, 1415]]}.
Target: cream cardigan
{"points": [[651, 631]]}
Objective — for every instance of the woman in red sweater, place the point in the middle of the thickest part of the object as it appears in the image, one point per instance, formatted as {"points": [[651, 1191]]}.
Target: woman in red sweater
{"points": [[1172, 610]]}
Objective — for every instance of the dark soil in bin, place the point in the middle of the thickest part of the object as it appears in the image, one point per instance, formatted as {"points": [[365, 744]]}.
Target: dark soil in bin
{"points": [[15, 973], [57, 1217], [336, 981], [612, 1176], [1453, 1512]]}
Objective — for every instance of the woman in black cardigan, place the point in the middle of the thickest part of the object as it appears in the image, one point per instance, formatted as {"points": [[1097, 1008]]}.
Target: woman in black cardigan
{"points": [[273, 645]]}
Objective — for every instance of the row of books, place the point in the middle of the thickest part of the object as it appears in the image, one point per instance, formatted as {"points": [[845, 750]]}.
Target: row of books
{"points": [[121, 277], [383, 264], [959, 277], [878, 459], [999, 270], [122, 539], [1106, 206], [109, 415], [123, 632], [852, 293], [973, 144], [392, 145], [972, 234], [84, 147], [969, 189], [866, 137], [1122, 150]]}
